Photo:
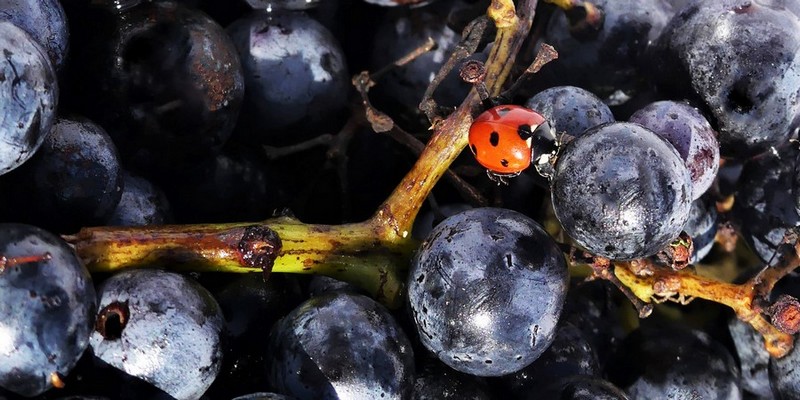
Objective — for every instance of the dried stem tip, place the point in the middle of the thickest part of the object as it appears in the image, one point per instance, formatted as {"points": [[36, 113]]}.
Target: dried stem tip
{"points": [[473, 71], [785, 314]]}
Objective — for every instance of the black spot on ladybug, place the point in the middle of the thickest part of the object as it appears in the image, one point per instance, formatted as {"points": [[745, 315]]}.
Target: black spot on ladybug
{"points": [[473, 148], [524, 131], [494, 139], [504, 162], [503, 111]]}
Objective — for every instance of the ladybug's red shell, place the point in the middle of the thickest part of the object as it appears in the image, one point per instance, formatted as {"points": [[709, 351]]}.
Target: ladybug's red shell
{"points": [[500, 138]]}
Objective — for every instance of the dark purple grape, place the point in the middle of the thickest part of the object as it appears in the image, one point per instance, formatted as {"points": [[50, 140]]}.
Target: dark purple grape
{"points": [[28, 93], [486, 290], [570, 354], [263, 396], [436, 381], [621, 191], [161, 327], [593, 308], [702, 227], [609, 60], [282, 5], [753, 358], [141, 203], [784, 375], [690, 133], [47, 305], [737, 59], [250, 306], [570, 110], [424, 223], [340, 345], [764, 207], [164, 80], [74, 180], [669, 362], [295, 73], [579, 387], [44, 20]]}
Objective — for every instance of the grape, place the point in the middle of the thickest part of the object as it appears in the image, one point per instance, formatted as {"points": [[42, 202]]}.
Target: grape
{"points": [[486, 290], [580, 387], [161, 327], [47, 302], [753, 358], [141, 203], [165, 82], [340, 345], [690, 133], [737, 60], [702, 227], [436, 381], [675, 363], [610, 60], [764, 206], [570, 110], [75, 178], [784, 375], [277, 46], [45, 21], [28, 93], [570, 354], [621, 191]]}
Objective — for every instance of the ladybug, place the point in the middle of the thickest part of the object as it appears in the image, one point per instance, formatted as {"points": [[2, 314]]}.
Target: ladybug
{"points": [[501, 139]]}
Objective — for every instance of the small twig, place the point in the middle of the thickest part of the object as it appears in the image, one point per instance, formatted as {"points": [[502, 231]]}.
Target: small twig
{"points": [[788, 259], [273, 152], [471, 38], [546, 54]]}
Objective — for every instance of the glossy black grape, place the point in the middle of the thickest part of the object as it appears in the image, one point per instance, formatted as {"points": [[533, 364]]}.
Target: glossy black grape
{"points": [[486, 290], [164, 80], [669, 362], [621, 191], [161, 327], [691, 134], [579, 387], [607, 61], [753, 358], [764, 206], [47, 305], [784, 375], [340, 345], [436, 381], [44, 20], [74, 180], [570, 110], [141, 203], [28, 93], [569, 354], [702, 227], [250, 306], [295, 73], [737, 58]]}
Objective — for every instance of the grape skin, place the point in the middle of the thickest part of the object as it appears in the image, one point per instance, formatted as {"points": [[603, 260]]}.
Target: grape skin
{"points": [[621, 191], [486, 290]]}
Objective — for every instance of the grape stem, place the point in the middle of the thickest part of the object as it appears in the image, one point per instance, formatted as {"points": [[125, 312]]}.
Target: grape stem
{"points": [[650, 282], [373, 254]]}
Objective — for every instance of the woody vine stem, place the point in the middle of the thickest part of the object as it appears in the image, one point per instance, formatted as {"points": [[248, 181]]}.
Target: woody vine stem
{"points": [[375, 253]]}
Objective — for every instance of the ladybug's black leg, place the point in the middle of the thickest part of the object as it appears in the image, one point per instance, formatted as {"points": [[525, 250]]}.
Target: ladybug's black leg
{"points": [[500, 178]]}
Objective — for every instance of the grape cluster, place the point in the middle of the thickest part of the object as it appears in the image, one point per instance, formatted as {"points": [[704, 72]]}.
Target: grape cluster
{"points": [[137, 135]]}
